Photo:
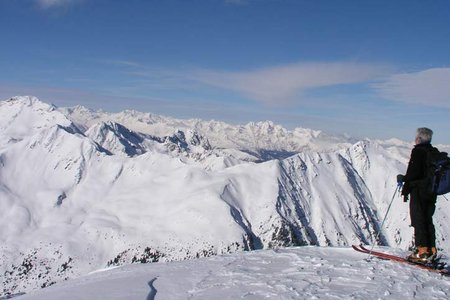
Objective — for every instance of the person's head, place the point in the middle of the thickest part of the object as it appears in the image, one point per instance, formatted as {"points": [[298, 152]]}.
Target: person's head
{"points": [[424, 135]]}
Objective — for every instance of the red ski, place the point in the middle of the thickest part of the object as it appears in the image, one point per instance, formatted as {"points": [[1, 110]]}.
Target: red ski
{"points": [[387, 256]]}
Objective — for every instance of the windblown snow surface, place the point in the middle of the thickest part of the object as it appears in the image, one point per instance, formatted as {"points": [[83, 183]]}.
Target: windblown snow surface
{"points": [[294, 273], [82, 191]]}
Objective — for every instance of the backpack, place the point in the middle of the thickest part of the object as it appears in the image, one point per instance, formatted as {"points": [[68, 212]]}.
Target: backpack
{"points": [[438, 172]]}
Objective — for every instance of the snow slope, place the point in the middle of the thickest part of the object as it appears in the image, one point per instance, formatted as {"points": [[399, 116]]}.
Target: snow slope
{"points": [[295, 273], [82, 190]]}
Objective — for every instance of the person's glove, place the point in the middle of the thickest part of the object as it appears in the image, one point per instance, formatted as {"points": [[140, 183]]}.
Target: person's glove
{"points": [[405, 188]]}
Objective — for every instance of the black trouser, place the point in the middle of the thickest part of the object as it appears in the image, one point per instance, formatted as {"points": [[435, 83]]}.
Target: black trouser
{"points": [[421, 209]]}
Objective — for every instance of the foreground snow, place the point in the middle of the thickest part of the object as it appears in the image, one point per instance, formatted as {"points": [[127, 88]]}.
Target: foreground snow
{"points": [[292, 273]]}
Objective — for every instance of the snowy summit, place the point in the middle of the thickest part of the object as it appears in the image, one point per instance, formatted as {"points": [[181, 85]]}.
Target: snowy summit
{"points": [[294, 273]]}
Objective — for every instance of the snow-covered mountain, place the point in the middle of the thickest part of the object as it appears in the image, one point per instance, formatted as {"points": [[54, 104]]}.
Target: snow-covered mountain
{"points": [[82, 190], [265, 140]]}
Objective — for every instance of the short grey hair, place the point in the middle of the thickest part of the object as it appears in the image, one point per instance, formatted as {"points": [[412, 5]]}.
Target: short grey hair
{"points": [[424, 135]]}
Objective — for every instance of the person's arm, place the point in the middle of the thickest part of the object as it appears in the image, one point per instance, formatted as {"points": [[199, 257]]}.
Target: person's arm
{"points": [[415, 166], [415, 171]]}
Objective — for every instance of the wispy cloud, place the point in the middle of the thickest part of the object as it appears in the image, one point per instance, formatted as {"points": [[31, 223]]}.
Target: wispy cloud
{"points": [[288, 83], [124, 63], [291, 83], [428, 87], [47, 4]]}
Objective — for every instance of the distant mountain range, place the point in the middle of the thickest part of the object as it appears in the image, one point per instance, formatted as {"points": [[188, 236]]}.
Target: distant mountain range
{"points": [[81, 190]]}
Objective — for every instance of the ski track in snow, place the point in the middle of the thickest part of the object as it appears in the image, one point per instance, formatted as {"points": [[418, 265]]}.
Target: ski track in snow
{"points": [[153, 291], [292, 273]]}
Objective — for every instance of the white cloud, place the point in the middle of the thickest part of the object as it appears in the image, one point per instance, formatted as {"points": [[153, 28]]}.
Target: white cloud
{"points": [[429, 87], [55, 3], [287, 83]]}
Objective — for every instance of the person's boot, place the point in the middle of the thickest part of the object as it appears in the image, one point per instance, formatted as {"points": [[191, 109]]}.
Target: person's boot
{"points": [[421, 255], [433, 253]]}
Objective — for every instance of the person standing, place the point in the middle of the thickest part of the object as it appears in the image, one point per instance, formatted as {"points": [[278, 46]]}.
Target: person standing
{"points": [[422, 204]]}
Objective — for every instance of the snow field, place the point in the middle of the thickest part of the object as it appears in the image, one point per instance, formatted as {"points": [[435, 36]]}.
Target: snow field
{"points": [[294, 273]]}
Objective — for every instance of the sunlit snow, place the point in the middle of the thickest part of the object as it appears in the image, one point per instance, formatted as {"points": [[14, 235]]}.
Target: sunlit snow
{"points": [[82, 191], [295, 273]]}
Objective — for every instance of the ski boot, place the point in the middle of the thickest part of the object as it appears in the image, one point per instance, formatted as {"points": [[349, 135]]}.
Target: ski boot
{"points": [[421, 255]]}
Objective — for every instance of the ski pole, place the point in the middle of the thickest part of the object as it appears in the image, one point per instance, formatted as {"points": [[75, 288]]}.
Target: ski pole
{"points": [[399, 186]]}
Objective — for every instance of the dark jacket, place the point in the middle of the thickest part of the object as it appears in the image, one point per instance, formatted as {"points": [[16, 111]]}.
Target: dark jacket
{"points": [[423, 204], [416, 172]]}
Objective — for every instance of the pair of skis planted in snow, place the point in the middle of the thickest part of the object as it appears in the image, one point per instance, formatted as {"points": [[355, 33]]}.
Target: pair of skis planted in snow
{"points": [[432, 267]]}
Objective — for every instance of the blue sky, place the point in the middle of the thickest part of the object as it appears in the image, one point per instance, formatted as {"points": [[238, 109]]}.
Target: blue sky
{"points": [[376, 69]]}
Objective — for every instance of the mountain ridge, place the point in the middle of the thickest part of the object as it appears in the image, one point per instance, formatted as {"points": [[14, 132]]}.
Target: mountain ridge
{"points": [[77, 199]]}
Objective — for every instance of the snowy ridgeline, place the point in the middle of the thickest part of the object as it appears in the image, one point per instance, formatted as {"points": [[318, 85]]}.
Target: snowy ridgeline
{"points": [[83, 190]]}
